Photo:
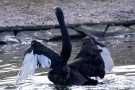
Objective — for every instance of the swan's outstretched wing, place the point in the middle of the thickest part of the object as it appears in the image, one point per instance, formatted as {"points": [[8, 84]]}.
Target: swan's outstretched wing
{"points": [[36, 55], [109, 64], [89, 61]]}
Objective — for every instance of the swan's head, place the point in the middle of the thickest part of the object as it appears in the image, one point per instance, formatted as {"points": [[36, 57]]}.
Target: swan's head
{"points": [[59, 13]]}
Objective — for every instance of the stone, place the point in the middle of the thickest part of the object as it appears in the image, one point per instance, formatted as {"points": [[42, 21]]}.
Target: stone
{"points": [[118, 31], [55, 34], [132, 26], [8, 37], [28, 36], [95, 30]]}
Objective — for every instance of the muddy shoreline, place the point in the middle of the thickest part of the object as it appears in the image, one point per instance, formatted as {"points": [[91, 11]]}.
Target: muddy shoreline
{"points": [[32, 13]]}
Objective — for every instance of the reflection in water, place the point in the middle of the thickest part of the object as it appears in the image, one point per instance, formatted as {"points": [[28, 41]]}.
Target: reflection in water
{"points": [[121, 77]]}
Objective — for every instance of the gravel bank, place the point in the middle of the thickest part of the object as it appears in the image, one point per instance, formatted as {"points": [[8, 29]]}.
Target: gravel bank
{"points": [[39, 12]]}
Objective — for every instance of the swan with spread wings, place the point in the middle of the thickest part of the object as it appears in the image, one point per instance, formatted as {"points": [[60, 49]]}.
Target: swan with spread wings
{"points": [[93, 60]]}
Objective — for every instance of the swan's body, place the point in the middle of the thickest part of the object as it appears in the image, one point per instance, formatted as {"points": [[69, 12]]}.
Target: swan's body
{"points": [[88, 63]]}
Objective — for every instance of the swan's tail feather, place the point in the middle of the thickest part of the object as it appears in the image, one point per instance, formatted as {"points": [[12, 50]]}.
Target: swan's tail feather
{"points": [[109, 64]]}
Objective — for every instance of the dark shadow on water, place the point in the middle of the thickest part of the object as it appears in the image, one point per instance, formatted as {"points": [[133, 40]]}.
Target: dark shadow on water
{"points": [[58, 87]]}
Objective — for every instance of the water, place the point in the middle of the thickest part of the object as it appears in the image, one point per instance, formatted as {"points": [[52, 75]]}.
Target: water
{"points": [[122, 76]]}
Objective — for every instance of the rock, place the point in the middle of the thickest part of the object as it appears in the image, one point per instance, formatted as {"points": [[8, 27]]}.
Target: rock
{"points": [[130, 35], [132, 26], [26, 27], [95, 30], [118, 31], [55, 34], [28, 36], [7, 37]]}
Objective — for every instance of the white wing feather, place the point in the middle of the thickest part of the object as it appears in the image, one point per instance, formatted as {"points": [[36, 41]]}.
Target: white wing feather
{"points": [[30, 64], [109, 64], [45, 62]]}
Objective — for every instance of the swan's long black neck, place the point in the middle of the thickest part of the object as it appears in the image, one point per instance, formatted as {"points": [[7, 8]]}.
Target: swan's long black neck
{"points": [[66, 43]]}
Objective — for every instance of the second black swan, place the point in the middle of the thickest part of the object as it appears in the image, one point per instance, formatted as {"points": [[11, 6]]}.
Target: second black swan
{"points": [[93, 60]]}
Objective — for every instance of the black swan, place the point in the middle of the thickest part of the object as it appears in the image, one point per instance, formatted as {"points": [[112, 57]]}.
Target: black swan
{"points": [[92, 61]]}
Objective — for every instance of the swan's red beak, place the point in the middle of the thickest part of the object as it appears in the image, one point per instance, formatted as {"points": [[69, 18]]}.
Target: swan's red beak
{"points": [[54, 8]]}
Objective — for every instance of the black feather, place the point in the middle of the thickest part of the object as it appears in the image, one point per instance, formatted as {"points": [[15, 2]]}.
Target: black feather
{"points": [[89, 60]]}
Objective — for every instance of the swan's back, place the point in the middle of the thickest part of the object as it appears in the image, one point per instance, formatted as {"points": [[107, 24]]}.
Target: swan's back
{"points": [[89, 61]]}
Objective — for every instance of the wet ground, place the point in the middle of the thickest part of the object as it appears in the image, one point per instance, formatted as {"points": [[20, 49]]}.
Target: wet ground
{"points": [[33, 12], [122, 77]]}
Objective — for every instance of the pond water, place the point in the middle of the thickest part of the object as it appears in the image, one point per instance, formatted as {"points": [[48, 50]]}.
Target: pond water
{"points": [[122, 77]]}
